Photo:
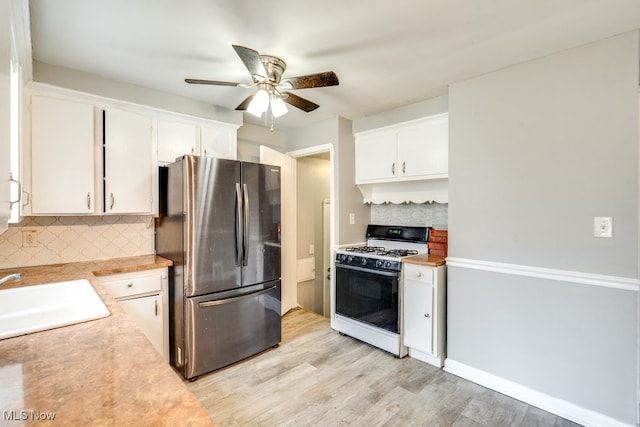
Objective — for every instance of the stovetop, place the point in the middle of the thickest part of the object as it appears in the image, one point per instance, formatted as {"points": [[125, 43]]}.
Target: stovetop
{"points": [[381, 251], [385, 248]]}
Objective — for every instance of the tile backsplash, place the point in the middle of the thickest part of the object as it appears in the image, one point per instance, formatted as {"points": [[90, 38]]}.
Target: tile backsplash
{"points": [[86, 238], [426, 214], [74, 239]]}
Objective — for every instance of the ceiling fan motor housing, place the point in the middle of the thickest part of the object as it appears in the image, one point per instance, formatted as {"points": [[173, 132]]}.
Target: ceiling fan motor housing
{"points": [[274, 67]]}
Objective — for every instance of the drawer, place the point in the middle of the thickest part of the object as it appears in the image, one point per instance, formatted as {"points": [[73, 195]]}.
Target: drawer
{"points": [[418, 273], [128, 287]]}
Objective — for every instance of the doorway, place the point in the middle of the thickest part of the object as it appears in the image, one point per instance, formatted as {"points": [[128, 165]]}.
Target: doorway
{"points": [[313, 228]]}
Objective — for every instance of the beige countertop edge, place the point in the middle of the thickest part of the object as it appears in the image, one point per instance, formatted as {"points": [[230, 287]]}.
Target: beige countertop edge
{"points": [[101, 372]]}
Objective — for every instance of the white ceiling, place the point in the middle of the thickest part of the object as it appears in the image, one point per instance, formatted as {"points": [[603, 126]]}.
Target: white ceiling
{"points": [[386, 54]]}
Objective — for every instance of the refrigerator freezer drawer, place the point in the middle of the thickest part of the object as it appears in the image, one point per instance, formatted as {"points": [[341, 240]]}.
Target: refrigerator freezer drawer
{"points": [[220, 332]]}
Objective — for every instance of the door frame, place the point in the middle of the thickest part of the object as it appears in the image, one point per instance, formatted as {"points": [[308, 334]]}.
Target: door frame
{"points": [[310, 151]]}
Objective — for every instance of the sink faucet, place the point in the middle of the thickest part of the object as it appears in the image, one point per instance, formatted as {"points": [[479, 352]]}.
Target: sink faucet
{"points": [[16, 277]]}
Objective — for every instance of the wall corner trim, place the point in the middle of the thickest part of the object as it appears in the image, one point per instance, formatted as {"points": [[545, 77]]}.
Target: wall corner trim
{"points": [[543, 401], [615, 282]]}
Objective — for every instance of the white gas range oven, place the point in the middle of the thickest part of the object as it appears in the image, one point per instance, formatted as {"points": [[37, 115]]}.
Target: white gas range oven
{"points": [[368, 285]]}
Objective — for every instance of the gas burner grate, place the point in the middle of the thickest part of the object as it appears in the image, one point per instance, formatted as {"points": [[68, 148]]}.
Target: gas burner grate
{"points": [[382, 251], [400, 252], [366, 249]]}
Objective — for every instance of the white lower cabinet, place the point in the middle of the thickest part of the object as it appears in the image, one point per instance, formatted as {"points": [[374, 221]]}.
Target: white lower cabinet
{"points": [[143, 296], [424, 312]]}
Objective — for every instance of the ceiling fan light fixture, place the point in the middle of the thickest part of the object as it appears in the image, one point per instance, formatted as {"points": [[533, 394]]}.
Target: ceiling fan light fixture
{"points": [[259, 104], [278, 107]]}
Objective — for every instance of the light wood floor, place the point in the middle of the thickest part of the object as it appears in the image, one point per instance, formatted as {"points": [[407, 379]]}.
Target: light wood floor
{"points": [[318, 377]]}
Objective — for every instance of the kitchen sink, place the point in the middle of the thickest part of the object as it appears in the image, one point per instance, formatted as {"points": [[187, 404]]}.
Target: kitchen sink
{"points": [[37, 308]]}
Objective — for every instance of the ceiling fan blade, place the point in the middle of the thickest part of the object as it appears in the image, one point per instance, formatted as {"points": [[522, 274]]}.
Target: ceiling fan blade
{"points": [[328, 78], [251, 59], [244, 104], [299, 102], [212, 82]]}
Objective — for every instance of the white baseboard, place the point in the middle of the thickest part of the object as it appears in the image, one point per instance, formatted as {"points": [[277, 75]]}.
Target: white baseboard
{"points": [[543, 401], [425, 357]]}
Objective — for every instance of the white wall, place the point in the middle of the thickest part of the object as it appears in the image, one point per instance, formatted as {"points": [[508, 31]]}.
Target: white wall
{"points": [[347, 198], [313, 189], [91, 83], [406, 113], [536, 151]]}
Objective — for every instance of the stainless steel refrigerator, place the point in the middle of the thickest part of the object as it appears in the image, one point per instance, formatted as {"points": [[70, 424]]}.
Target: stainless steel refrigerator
{"points": [[220, 225]]}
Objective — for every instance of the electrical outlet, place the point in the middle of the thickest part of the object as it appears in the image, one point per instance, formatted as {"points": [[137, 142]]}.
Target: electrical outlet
{"points": [[352, 218], [29, 238], [602, 226], [312, 249]]}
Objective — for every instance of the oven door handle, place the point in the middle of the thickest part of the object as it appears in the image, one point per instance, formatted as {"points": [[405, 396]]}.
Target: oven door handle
{"points": [[369, 270]]}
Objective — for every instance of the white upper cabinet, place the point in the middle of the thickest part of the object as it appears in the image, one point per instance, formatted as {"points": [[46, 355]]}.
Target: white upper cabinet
{"points": [[62, 157], [175, 139], [127, 162], [410, 151], [218, 142], [376, 156], [87, 163], [423, 149], [88, 155]]}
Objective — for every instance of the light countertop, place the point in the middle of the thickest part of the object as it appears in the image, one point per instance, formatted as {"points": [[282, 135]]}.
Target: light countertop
{"points": [[425, 259], [101, 373]]}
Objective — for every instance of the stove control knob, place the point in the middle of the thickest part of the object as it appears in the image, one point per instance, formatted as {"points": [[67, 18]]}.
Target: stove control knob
{"points": [[379, 263], [388, 264], [363, 261], [350, 258]]}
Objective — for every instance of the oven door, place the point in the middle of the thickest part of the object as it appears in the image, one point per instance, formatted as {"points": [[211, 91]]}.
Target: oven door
{"points": [[369, 296]]}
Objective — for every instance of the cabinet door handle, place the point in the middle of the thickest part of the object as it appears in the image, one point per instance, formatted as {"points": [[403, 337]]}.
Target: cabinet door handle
{"points": [[156, 301], [112, 201], [129, 285], [13, 202], [419, 274], [427, 315], [404, 167], [88, 201], [393, 168], [205, 151]]}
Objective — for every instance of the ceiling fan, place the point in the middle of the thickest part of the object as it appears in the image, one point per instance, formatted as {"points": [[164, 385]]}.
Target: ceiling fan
{"points": [[273, 91]]}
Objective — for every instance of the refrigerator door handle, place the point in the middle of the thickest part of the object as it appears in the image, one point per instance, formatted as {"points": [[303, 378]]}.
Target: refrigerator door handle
{"points": [[238, 298], [239, 226], [245, 234]]}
